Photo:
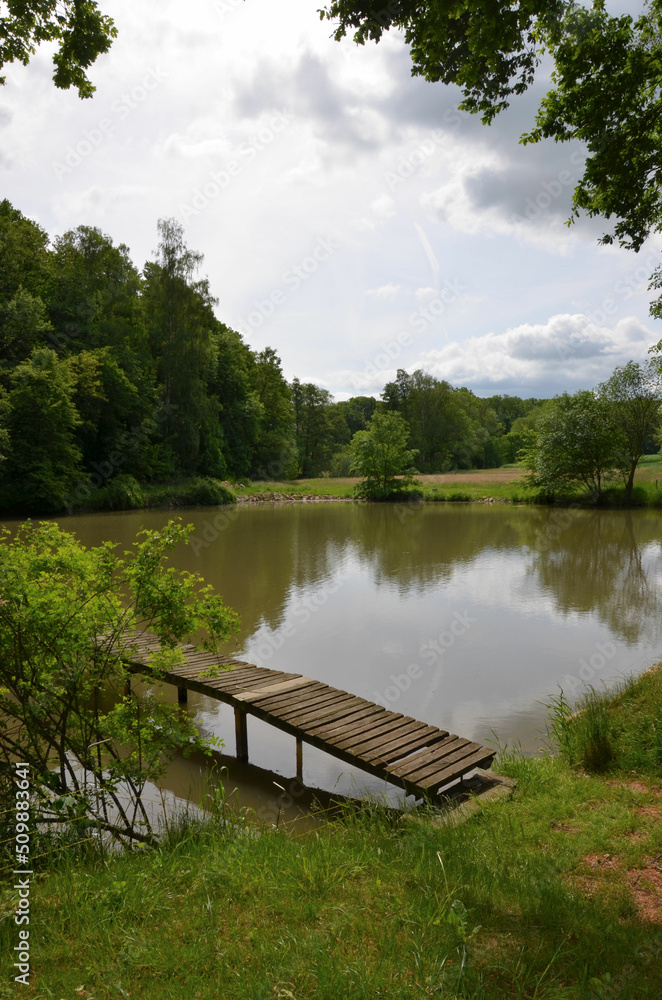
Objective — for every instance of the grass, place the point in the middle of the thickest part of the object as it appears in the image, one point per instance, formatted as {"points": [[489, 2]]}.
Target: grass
{"points": [[617, 731], [553, 895], [505, 485]]}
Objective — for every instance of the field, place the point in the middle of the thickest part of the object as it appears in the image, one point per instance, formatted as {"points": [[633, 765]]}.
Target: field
{"points": [[505, 484]]}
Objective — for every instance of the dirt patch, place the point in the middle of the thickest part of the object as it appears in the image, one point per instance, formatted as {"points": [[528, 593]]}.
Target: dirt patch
{"points": [[636, 835], [565, 828], [653, 812], [605, 862], [646, 887], [585, 885], [635, 786]]}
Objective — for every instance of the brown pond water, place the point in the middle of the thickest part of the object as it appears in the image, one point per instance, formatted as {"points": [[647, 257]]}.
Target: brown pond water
{"points": [[497, 605]]}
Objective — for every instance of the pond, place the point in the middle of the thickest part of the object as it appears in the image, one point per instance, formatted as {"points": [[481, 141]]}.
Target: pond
{"points": [[490, 608]]}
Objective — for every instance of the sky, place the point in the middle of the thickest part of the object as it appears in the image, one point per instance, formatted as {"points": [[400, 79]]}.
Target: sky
{"points": [[348, 214]]}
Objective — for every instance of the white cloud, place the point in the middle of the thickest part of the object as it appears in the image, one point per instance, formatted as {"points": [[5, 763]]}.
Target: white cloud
{"points": [[383, 292], [569, 350], [358, 116]]}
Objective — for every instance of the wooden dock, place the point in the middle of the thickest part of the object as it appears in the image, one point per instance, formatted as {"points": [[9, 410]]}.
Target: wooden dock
{"points": [[419, 758]]}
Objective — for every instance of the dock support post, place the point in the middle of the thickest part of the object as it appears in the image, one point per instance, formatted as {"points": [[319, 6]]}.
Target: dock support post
{"points": [[299, 760], [182, 694], [241, 734]]}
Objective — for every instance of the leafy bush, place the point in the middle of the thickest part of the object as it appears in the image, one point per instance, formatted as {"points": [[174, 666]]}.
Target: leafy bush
{"points": [[370, 490], [341, 463], [122, 493], [191, 493]]}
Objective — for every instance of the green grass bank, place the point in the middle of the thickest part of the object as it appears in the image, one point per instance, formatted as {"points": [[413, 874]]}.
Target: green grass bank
{"points": [[555, 894]]}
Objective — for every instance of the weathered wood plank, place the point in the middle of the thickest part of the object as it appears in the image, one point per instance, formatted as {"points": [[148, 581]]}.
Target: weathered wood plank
{"points": [[352, 716], [477, 759], [290, 699], [416, 756], [410, 743], [426, 757], [442, 762], [263, 694], [328, 704], [389, 727]]}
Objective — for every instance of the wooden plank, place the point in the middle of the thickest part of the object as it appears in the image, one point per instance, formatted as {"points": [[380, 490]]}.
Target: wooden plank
{"points": [[418, 760], [188, 670], [289, 697], [287, 700], [378, 733], [352, 716], [351, 737], [331, 713], [407, 745], [327, 703], [477, 759], [273, 689], [372, 748], [442, 762], [245, 680]]}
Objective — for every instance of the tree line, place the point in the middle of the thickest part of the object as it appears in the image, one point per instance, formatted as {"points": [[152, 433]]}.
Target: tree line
{"points": [[110, 375]]}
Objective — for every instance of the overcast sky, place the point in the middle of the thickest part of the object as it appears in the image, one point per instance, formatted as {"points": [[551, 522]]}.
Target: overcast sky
{"points": [[349, 216]]}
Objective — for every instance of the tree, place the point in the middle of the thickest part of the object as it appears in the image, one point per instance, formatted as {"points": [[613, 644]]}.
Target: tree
{"points": [[80, 30], [312, 429], [606, 84], [579, 443], [181, 324], [275, 454], [635, 393], [23, 324], [381, 456], [69, 618], [44, 459], [489, 50]]}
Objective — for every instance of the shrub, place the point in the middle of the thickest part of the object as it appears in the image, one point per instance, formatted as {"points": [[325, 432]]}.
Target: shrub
{"points": [[192, 493], [123, 492]]}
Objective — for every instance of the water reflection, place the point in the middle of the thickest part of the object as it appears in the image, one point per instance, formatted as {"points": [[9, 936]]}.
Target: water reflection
{"points": [[354, 594]]}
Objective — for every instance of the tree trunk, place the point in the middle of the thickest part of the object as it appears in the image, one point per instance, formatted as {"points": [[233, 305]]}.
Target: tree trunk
{"points": [[630, 483]]}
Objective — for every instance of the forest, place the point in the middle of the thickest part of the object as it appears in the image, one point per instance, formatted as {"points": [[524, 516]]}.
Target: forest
{"points": [[112, 378]]}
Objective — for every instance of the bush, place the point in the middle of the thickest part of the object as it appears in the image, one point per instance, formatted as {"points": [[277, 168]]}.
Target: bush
{"points": [[192, 493], [370, 490], [341, 463], [123, 492]]}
